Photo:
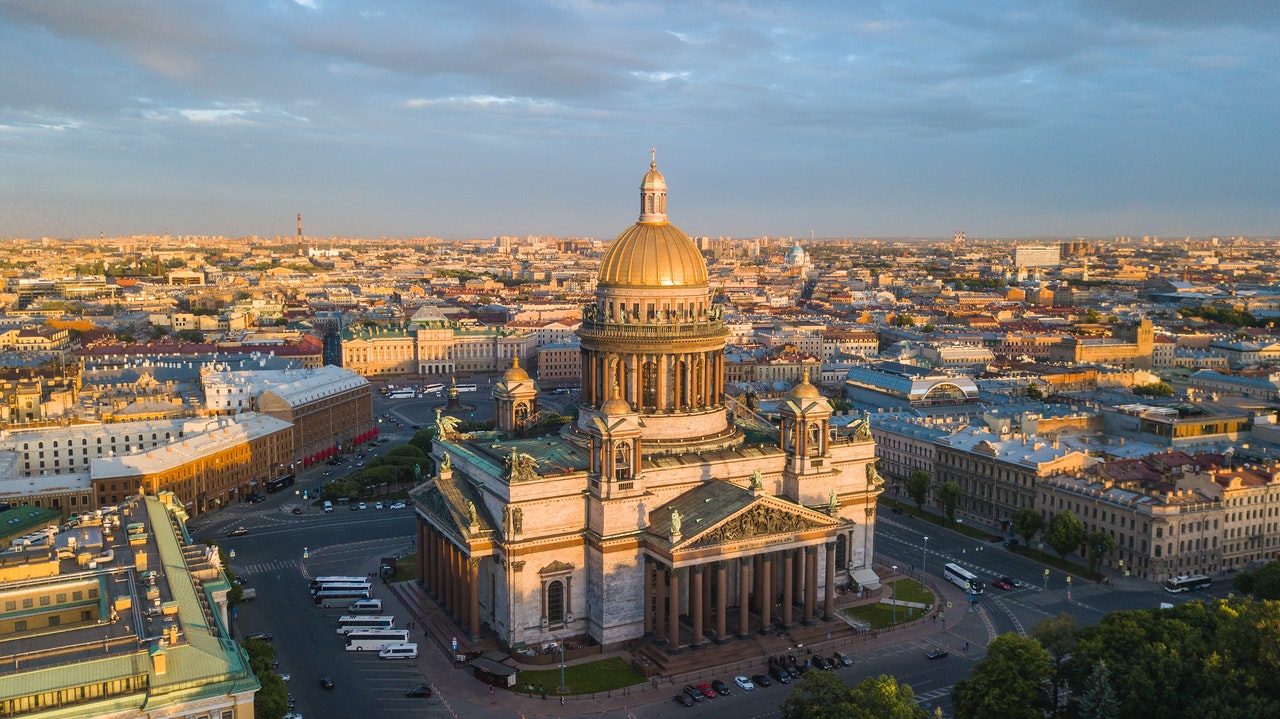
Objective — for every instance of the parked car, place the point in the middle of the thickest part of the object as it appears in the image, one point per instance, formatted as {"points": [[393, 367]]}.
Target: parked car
{"points": [[693, 693], [264, 636], [844, 659], [995, 539], [422, 691], [377, 505], [326, 682], [744, 683], [362, 505], [285, 677], [683, 700], [761, 680], [238, 532], [721, 688], [781, 674], [936, 653], [707, 691], [297, 510], [397, 505], [1012, 582]]}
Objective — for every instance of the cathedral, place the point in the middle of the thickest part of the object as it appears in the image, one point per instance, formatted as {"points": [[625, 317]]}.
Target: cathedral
{"points": [[651, 514]]}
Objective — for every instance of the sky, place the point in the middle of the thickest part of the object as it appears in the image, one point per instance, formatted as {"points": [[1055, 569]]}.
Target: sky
{"points": [[476, 118]]}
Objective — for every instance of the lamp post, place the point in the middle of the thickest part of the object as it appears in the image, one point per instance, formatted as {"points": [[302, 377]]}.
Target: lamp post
{"points": [[562, 689], [894, 601], [924, 560]]}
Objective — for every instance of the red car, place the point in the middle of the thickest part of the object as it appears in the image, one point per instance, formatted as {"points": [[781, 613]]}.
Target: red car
{"points": [[1002, 584], [707, 691]]}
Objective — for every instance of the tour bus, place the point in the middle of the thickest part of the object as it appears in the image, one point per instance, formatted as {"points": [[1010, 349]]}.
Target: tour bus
{"points": [[352, 622], [339, 597], [963, 578], [436, 387], [356, 585], [375, 639], [1186, 583], [315, 583], [401, 394], [466, 388]]}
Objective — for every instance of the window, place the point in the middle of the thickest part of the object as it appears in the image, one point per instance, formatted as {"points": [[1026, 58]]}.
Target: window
{"points": [[555, 602]]}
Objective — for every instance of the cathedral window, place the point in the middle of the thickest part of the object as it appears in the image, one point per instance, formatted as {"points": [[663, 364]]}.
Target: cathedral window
{"points": [[555, 602]]}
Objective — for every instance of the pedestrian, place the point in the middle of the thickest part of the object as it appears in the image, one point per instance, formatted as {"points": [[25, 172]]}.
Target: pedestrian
{"points": [[491, 689], [561, 701]]}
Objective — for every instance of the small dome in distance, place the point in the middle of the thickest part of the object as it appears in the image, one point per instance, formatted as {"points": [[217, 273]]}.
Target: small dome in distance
{"points": [[515, 373], [804, 390], [615, 404]]}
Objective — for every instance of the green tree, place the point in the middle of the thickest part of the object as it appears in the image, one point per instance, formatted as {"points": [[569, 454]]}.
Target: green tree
{"points": [[904, 321], [192, 336], [1008, 684], [1100, 545], [1065, 533], [1264, 583], [1098, 698], [1034, 392], [918, 487], [1027, 523], [949, 495], [157, 332], [1156, 389], [1057, 635], [824, 695], [883, 697], [422, 439], [271, 701]]}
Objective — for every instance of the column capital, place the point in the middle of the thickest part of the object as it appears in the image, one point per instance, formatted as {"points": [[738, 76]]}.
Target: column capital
{"points": [[745, 561], [474, 562], [517, 566], [696, 569], [829, 546]]}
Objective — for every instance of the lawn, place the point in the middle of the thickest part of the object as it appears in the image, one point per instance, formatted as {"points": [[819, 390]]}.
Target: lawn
{"points": [[407, 568], [880, 615], [601, 676], [908, 590]]}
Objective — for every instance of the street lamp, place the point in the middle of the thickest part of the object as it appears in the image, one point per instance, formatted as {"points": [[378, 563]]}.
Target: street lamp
{"points": [[894, 601], [563, 691], [924, 560]]}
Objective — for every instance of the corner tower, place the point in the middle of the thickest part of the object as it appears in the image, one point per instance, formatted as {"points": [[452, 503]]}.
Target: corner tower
{"points": [[653, 333]]}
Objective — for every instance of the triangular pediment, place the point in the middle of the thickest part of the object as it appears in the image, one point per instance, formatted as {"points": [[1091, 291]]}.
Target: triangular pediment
{"points": [[556, 567], [765, 517]]}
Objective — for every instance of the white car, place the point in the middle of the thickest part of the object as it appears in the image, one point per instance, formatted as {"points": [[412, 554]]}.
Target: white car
{"points": [[362, 505], [286, 677], [397, 505], [293, 715], [744, 683], [377, 505]]}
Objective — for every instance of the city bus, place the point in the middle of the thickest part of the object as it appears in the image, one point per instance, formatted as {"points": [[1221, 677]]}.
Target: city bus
{"points": [[962, 578], [352, 622], [340, 597], [1184, 583], [375, 639], [279, 483], [315, 583]]}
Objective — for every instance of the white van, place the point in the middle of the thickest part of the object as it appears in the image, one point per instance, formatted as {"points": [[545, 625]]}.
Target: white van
{"points": [[403, 650], [328, 507], [365, 606]]}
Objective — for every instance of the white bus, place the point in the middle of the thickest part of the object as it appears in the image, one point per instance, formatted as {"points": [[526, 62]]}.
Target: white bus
{"points": [[962, 578], [401, 394], [436, 387], [1186, 583], [466, 388], [334, 580], [375, 639], [339, 597], [351, 622], [365, 585]]}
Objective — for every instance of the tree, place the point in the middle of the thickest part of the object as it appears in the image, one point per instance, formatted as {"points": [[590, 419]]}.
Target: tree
{"points": [[1100, 545], [1098, 698], [1155, 389], [1057, 635], [1027, 523], [1034, 392], [1065, 533], [824, 695], [271, 701], [918, 487], [1008, 684], [949, 495], [904, 321], [1262, 584]]}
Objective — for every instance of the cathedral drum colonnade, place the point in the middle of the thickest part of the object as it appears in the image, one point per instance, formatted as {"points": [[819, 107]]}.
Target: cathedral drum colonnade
{"points": [[650, 515]]}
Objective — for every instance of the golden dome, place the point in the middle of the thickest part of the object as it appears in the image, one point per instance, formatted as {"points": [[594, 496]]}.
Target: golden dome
{"points": [[515, 373], [615, 404], [804, 390], [653, 254]]}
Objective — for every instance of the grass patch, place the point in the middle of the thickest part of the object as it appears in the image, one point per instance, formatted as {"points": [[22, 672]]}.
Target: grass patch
{"points": [[601, 676], [407, 568], [879, 616], [908, 590], [1064, 565]]}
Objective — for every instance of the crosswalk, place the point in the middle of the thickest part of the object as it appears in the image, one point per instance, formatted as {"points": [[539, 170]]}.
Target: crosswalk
{"points": [[274, 565], [1040, 598]]}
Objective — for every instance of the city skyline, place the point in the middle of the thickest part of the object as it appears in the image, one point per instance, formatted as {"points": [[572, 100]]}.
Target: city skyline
{"points": [[480, 119]]}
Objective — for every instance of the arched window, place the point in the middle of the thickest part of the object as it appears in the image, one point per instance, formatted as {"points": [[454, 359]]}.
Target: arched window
{"points": [[555, 602], [842, 551]]}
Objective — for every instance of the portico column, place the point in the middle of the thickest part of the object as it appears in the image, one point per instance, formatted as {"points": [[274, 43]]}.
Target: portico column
{"points": [[788, 570], [473, 583], [446, 571], [427, 549], [744, 595], [673, 614], [442, 578], [798, 589], [423, 557], [660, 613], [811, 582], [757, 593], [706, 598], [721, 608], [648, 596], [661, 404], [695, 603], [459, 609], [829, 605], [766, 596]]}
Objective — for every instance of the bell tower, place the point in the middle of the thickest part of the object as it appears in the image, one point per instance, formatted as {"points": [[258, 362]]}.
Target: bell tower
{"points": [[615, 439], [515, 398], [806, 436]]}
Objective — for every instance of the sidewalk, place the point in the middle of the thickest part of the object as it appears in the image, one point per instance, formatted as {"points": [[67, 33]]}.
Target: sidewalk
{"points": [[458, 683]]}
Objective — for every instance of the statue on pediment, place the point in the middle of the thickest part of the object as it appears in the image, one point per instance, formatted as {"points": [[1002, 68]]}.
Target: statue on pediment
{"points": [[675, 521], [873, 477]]}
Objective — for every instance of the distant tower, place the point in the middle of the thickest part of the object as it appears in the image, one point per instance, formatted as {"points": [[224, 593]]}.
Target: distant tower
{"points": [[302, 250]]}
